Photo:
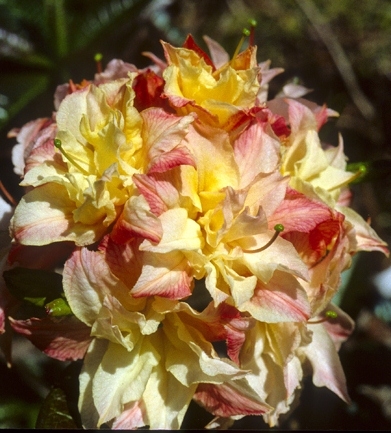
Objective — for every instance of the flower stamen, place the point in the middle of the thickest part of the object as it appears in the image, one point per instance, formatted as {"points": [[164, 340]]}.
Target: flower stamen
{"points": [[98, 60], [58, 145], [245, 34], [278, 229], [253, 24], [361, 171], [329, 315]]}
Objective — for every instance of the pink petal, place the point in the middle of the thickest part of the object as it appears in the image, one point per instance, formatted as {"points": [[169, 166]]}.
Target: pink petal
{"points": [[298, 213], [137, 220], [168, 160], [255, 152], [235, 325], [167, 275], [163, 134], [327, 369], [228, 399], [124, 260], [157, 190], [115, 69], [218, 54], [226, 323], [64, 338], [45, 215], [44, 150], [87, 279], [282, 299], [367, 239], [132, 417], [27, 137]]}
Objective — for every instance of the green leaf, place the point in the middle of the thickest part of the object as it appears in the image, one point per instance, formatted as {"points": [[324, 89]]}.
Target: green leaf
{"points": [[34, 285], [54, 413], [58, 307], [39, 302]]}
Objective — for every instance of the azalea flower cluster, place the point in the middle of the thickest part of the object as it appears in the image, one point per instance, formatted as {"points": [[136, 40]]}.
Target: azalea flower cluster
{"points": [[201, 231]]}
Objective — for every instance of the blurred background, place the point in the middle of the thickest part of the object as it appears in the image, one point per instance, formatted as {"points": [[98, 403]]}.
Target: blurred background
{"points": [[340, 49]]}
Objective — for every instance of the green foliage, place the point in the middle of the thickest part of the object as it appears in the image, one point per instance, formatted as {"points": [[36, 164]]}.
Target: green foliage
{"points": [[17, 414], [39, 39], [34, 285], [54, 413]]}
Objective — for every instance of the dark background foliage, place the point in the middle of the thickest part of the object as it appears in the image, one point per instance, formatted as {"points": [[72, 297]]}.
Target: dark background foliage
{"points": [[340, 49]]}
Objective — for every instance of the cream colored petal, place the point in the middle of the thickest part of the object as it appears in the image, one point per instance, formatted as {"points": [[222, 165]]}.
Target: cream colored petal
{"points": [[45, 215], [179, 233]]}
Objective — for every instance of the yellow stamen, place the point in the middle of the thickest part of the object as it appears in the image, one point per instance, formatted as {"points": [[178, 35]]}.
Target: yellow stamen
{"points": [[58, 144], [278, 229]]}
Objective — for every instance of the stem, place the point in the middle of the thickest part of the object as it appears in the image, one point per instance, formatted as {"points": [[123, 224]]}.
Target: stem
{"points": [[58, 144], [278, 229]]}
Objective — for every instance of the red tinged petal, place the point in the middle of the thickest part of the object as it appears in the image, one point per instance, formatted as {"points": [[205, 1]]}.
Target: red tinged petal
{"points": [[133, 416], [282, 299], [137, 220], [163, 138], [229, 399], [238, 121], [300, 214], [321, 115], [255, 152], [312, 227], [149, 88], [65, 338], [166, 275], [157, 191], [280, 128], [235, 326], [190, 44], [124, 260], [173, 158], [322, 237], [327, 368], [226, 323], [31, 135]]}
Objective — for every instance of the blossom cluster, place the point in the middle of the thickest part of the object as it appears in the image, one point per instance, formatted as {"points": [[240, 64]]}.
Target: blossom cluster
{"points": [[199, 231]]}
